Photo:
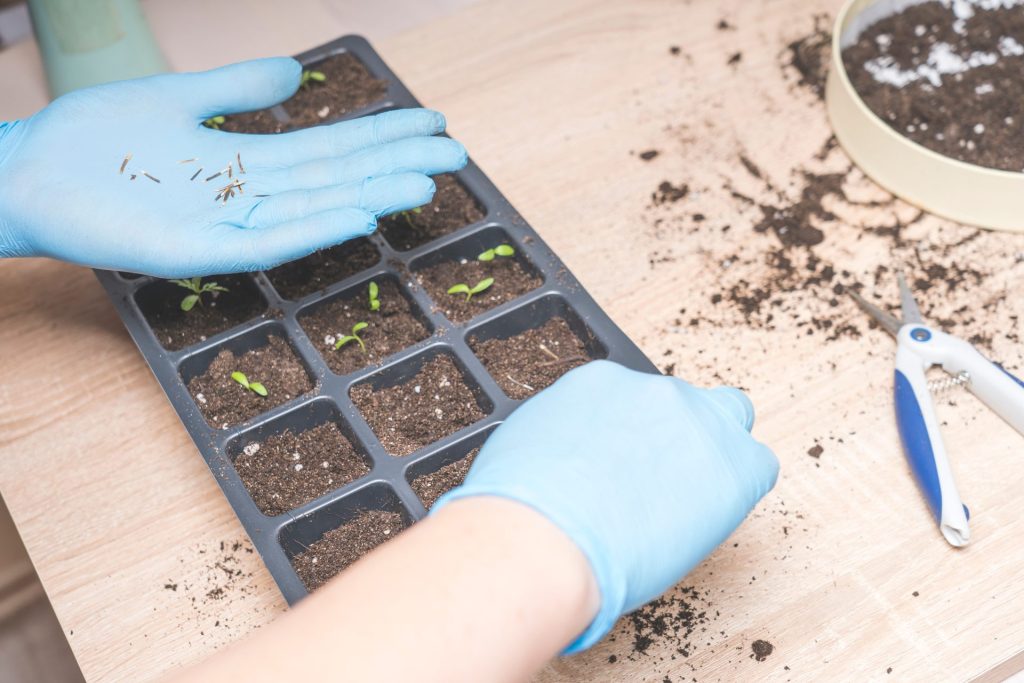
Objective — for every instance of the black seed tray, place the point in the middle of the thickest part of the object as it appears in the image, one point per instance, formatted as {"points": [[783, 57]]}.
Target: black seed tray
{"points": [[387, 486]]}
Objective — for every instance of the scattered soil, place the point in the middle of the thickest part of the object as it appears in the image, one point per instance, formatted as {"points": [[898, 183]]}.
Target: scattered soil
{"points": [[348, 87], [946, 80], [667, 193], [816, 450], [392, 328], [761, 649], [288, 470], [262, 121], [430, 406], [318, 270], [520, 365], [810, 56], [175, 329], [678, 621], [430, 487], [340, 547], [453, 207], [224, 402], [649, 154], [511, 280]]}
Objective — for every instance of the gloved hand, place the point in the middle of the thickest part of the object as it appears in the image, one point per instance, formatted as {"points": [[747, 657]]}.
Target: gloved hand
{"points": [[646, 474], [67, 192]]}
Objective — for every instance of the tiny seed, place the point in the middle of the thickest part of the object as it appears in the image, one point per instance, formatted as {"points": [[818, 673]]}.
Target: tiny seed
{"points": [[238, 156], [127, 158], [196, 174], [155, 180]]}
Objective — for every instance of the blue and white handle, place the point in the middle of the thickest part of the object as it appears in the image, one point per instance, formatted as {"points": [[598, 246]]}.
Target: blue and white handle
{"points": [[921, 347]]}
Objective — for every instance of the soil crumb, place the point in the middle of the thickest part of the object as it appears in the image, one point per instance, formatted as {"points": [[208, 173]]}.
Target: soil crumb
{"points": [[809, 56], [761, 649]]}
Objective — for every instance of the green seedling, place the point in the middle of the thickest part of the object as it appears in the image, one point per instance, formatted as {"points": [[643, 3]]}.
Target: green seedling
{"points": [[374, 301], [356, 329], [307, 76], [254, 387], [407, 215], [198, 288], [470, 291], [500, 250], [214, 122]]}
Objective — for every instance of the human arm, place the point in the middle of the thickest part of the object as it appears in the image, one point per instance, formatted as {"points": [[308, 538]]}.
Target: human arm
{"points": [[110, 176], [642, 476], [485, 590]]}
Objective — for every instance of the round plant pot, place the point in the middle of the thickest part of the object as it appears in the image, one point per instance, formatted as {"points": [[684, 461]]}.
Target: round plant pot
{"points": [[963, 192]]}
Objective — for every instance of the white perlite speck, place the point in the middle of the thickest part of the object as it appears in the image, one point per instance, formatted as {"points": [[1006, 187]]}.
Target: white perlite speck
{"points": [[979, 129], [329, 340], [201, 399], [322, 113], [438, 413], [984, 89], [251, 449], [298, 467], [943, 60]]}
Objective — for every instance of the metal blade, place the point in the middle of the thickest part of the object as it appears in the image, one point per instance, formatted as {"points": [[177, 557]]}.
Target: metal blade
{"points": [[889, 322], [911, 313]]}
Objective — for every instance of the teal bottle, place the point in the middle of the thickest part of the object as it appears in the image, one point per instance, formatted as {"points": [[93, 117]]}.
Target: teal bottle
{"points": [[88, 42]]}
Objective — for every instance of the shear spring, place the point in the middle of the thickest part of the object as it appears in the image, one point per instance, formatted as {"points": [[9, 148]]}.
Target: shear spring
{"points": [[941, 386]]}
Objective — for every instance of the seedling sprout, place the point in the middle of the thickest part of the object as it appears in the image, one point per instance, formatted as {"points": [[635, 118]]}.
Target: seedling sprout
{"points": [[374, 301], [356, 329], [307, 76], [500, 250], [407, 215], [198, 288], [214, 122], [470, 291], [254, 387]]}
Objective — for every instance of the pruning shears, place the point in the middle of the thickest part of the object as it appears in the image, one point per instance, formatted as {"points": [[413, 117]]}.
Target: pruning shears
{"points": [[918, 348]]}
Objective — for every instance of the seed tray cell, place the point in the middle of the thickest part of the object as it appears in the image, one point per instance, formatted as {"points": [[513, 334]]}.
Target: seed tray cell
{"points": [[387, 486]]}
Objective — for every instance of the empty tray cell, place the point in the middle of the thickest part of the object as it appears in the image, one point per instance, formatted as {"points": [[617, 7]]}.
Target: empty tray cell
{"points": [[462, 264], [395, 325], [323, 268], [264, 357], [324, 542], [298, 457], [453, 208], [262, 121], [419, 401], [335, 86], [529, 348], [439, 474], [211, 312]]}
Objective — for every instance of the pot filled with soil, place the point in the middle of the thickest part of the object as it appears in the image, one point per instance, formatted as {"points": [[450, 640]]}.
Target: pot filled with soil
{"points": [[924, 96]]}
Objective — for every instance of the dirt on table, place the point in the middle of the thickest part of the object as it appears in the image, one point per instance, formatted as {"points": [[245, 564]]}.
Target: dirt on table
{"points": [[340, 547], [949, 78], [320, 269], [347, 86], [262, 121], [160, 303], [511, 280], [287, 470], [810, 56], [432, 405], [452, 208], [761, 649], [430, 487], [224, 402], [393, 327], [525, 363]]}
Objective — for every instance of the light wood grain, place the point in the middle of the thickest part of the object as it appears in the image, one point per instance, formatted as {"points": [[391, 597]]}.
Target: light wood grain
{"points": [[552, 98]]}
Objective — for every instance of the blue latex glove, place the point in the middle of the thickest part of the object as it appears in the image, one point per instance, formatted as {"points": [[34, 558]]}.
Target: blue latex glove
{"points": [[62, 192], [646, 474]]}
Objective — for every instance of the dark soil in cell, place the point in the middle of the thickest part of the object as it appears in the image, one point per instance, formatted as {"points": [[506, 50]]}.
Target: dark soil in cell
{"points": [[453, 207], [348, 86], [430, 487], [953, 86], [223, 401], [318, 270], [391, 328], [262, 121], [175, 329], [532, 360], [340, 547], [511, 280], [288, 470], [430, 406]]}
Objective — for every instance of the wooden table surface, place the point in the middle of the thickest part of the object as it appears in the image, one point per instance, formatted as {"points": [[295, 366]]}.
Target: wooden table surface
{"points": [[840, 568]]}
